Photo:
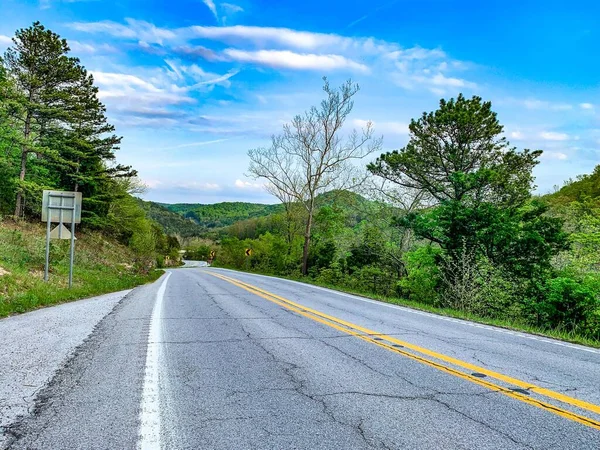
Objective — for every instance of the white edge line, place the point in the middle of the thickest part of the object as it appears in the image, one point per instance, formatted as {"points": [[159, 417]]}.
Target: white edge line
{"points": [[150, 421], [427, 314]]}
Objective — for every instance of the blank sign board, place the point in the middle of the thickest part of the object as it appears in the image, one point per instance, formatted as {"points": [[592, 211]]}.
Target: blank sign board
{"points": [[66, 203]]}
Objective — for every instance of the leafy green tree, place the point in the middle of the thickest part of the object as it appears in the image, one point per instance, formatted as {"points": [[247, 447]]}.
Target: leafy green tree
{"points": [[458, 154], [369, 249], [480, 187], [9, 145], [44, 76]]}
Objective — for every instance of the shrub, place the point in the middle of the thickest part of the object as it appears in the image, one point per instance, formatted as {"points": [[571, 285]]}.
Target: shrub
{"points": [[569, 304], [423, 275]]}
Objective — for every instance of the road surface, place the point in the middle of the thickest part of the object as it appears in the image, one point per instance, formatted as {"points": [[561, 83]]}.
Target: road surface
{"points": [[214, 359]]}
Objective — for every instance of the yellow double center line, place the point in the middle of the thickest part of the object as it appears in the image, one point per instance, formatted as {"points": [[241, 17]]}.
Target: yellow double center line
{"points": [[435, 359]]}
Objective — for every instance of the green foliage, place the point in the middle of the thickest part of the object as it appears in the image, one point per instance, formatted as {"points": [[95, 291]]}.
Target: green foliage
{"points": [[222, 214], [198, 252], [567, 304], [457, 153], [171, 222], [101, 265], [583, 189], [422, 278], [368, 250]]}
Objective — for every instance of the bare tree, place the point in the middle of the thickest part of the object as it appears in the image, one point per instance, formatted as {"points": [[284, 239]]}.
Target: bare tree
{"points": [[312, 155]]}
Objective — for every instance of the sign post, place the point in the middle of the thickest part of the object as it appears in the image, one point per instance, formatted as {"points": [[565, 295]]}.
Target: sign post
{"points": [[61, 206]]}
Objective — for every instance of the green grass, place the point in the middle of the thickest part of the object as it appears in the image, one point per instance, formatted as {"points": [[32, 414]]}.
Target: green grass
{"points": [[448, 312], [101, 266]]}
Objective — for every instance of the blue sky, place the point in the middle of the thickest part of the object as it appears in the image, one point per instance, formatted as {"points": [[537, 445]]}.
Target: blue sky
{"points": [[193, 84]]}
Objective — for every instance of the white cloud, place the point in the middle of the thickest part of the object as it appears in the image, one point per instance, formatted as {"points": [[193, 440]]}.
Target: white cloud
{"points": [[152, 184], [283, 48], [198, 186], [517, 135], [248, 185], [135, 29], [195, 144], [586, 106], [554, 155], [545, 105], [231, 8], [213, 9], [264, 36], [90, 49], [553, 136], [5, 41], [290, 60], [124, 81]]}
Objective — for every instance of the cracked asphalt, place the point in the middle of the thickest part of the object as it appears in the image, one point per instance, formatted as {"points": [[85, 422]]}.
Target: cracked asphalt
{"points": [[237, 371]]}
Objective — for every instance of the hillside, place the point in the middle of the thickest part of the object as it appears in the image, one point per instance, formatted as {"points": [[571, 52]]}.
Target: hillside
{"points": [[172, 222], [101, 265], [221, 214], [584, 186]]}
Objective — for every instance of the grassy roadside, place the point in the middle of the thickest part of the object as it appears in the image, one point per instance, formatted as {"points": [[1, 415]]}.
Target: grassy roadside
{"points": [[448, 312], [101, 266]]}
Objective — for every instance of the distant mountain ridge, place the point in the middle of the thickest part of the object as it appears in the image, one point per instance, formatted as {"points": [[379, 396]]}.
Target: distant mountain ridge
{"points": [[220, 215], [196, 219]]}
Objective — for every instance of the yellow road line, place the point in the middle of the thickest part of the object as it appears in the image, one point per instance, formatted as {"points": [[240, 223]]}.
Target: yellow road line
{"points": [[366, 335]]}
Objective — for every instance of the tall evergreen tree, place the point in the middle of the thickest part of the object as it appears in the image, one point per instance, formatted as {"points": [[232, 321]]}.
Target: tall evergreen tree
{"points": [[44, 76], [89, 148]]}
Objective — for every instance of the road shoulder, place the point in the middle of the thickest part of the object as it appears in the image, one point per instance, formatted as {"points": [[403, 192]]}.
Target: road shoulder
{"points": [[36, 344]]}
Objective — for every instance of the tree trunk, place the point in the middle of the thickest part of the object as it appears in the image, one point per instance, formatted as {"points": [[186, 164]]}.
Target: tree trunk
{"points": [[24, 152], [19, 202], [307, 243]]}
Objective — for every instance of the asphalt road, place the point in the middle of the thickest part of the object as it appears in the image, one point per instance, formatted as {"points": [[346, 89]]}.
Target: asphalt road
{"points": [[214, 359]]}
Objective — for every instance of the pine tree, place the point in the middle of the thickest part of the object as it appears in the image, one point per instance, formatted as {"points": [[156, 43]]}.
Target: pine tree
{"points": [[44, 76]]}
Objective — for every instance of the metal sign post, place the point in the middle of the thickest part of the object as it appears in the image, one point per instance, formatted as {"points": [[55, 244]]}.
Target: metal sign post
{"points": [[55, 206]]}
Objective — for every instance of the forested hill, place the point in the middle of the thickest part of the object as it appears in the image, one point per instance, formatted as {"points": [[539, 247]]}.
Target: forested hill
{"points": [[194, 219], [170, 221], [222, 214], [582, 188]]}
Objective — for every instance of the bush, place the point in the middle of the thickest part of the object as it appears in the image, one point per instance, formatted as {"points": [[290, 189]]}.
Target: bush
{"points": [[333, 276], [568, 304], [423, 275]]}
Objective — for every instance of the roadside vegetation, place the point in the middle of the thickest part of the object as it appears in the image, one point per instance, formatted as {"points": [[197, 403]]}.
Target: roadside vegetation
{"points": [[448, 223], [103, 265], [54, 134]]}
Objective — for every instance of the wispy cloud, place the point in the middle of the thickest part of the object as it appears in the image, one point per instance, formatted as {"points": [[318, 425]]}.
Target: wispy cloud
{"points": [[5, 41], [132, 29], [247, 185], [290, 60], [211, 5], [554, 136], [155, 97], [535, 104], [376, 10], [586, 106], [83, 48], [195, 144], [231, 8], [414, 68], [554, 155]]}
